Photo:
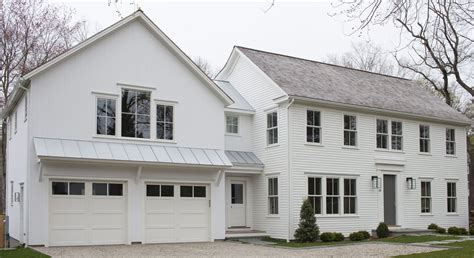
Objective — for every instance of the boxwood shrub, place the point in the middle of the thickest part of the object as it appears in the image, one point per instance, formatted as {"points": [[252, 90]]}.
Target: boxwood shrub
{"points": [[338, 237], [327, 237], [441, 230], [457, 231], [359, 236], [382, 230], [471, 230], [433, 226]]}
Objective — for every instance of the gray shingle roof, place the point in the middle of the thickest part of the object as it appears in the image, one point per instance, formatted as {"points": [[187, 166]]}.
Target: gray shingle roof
{"points": [[239, 101], [305, 78]]}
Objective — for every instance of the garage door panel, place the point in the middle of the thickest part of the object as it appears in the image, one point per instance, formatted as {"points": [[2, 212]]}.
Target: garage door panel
{"points": [[69, 237], [193, 234], [107, 220], [108, 236], [160, 235], [65, 205], [107, 205], [69, 220]]}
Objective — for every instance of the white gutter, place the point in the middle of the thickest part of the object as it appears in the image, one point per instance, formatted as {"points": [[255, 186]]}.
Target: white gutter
{"points": [[290, 102]]}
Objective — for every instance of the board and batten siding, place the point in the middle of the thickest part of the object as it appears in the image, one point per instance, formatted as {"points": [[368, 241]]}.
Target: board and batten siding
{"points": [[332, 158], [256, 88]]}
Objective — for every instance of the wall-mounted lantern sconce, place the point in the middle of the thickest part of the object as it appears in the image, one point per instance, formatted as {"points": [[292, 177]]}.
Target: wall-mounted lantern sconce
{"points": [[411, 183], [375, 182]]}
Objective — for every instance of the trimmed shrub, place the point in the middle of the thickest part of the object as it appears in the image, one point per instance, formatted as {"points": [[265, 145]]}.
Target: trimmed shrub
{"points": [[457, 231], [328, 237], [462, 231], [338, 237], [356, 236], [441, 230], [308, 230], [366, 234], [433, 226], [471, 230], [382, 230]]}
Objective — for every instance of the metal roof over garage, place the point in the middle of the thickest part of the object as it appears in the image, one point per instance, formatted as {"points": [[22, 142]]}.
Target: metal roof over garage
{"points": [[244, 158], [47, 148]]}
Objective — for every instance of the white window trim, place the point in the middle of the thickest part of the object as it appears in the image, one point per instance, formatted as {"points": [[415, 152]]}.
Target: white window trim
{"points": [[356, 131], [117, 125], [238, 125], [352, 196], [455, 197], [429, 139], [338, 196], [267, 129], [155, 103], [430, 197], [389, 134], [314, 126], [316, 195], [454, 142], [273, 196], [385, 134]]}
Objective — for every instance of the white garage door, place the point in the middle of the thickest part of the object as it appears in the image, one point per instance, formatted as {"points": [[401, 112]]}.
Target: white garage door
{"points": [[177, 213], [87, 213]]}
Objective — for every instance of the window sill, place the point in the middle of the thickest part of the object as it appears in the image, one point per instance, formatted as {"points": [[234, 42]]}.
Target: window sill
{"points": [[391, 151], [275, 216], [272, 145], [425, 153], [314, 144], [133, 139], [350, 147], [452, 214], [337, 216], [450, 156], [426, 214], [233, 134]]}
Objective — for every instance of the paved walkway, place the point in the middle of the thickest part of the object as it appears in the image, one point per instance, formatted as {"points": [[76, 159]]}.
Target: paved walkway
{"points": [[234, 249]]}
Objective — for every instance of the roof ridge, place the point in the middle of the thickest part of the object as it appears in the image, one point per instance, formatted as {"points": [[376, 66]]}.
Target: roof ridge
{"points": [[323, 63]]}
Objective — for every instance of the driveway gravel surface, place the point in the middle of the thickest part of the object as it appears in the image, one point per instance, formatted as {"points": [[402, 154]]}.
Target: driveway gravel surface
{"points": [[234, 249]]}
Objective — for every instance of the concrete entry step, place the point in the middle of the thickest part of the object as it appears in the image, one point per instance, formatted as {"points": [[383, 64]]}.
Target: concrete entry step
{"points": [[244, 233]]}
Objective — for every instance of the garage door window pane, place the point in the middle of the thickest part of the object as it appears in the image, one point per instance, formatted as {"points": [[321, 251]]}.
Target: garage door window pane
{"points": [[115, 189], [186, 191], [199, 191], [152, 190], [167, 191], [99, 189], [76, 188], [60, 188]]}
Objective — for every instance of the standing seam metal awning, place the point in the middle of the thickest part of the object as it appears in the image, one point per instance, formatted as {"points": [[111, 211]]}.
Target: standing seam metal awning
{"points": [[93, 150]]}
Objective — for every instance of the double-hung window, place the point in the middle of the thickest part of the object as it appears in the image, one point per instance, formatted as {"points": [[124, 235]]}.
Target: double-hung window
{"points": [[272, 128], [164, 122], [350, 130], [450, 141], [135, 113], [397, 135], [332, 196], [315, 194], [382, 134], [273, 195], [350, 196], [425, 138], [452, 199], [232, 124], [425, 197], [313, 126], [105, 116]]}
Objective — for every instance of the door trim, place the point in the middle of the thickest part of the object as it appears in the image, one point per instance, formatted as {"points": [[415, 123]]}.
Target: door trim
{"points": [[244, 200]]}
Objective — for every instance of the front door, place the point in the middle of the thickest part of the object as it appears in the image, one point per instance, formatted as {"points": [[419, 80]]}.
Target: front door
{"points": [[390, 208], [237, 204]]}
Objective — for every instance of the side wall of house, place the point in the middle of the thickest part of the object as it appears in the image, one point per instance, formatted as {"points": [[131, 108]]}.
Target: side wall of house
{"points": [[16, 165], [332, 159], [259, 92]]}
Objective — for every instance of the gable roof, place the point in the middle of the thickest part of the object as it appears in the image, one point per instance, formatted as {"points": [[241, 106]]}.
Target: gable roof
{"points": [[240, 103], [146, 21], [336, 84]]}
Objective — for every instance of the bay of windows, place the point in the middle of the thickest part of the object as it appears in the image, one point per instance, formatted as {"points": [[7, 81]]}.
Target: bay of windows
{"points": [[425, 197], [334, 202], [313, 126], [135, 113], [450, 141]]}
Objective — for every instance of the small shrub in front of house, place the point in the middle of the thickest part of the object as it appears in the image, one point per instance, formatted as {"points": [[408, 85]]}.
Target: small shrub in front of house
{"points": [[433, 226], [328, 237], [471, 230], [441, 230], [382, 230], [359, 236], [308, 230], [338, 237], [457, 231], [463, 231]]}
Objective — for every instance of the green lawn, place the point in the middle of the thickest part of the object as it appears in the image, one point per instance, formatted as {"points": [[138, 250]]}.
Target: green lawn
{"points": [[417, 239], [281, 242], [465, 250], [21, 253]]}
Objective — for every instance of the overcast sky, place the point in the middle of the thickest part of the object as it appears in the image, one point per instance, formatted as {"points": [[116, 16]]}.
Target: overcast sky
{"points": [[209, 29]]}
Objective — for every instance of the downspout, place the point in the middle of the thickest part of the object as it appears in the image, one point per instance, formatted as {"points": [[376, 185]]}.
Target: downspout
{"points": [[290, 102]]}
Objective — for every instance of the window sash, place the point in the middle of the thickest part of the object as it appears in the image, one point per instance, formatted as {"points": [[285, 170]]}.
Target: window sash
{"points": [[350, 130], [273, 195], [164, 122], [313, 126], [232, 124], [450, 141], [332, 196], [350, 196], [272, 128], [315, 193], [424, 138], [136, 107], [382, 134], [425, 197], [451, 197], [106, 122]]}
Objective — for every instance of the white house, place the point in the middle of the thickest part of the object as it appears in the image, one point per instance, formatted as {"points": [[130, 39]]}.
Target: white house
{"points": [[123, 139]]}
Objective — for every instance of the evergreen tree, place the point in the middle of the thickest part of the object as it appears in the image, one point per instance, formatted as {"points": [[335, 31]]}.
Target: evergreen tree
{"points": [[307, 230]]}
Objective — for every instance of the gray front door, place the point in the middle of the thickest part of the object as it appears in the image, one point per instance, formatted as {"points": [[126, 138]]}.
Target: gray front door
{"points": [[390, 210]]}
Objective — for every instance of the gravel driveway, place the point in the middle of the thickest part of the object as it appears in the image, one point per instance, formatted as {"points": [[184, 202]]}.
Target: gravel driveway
{"points": [[230, 248]]}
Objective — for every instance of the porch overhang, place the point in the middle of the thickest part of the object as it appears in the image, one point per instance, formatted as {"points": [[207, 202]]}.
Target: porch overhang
{"points": [[48, 149], [244, 162]]}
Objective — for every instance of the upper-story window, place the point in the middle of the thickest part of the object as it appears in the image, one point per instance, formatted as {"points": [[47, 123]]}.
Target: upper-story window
{"points": [[232, 124], [313, 126], [350, 130], [386, 134], [272, 128], [424, 138], [106, 116], [382, 134], [164, 122], [450, 141], [135, 113]]}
